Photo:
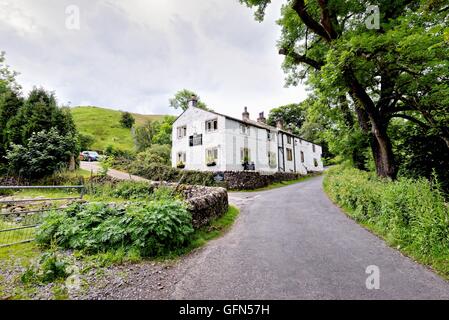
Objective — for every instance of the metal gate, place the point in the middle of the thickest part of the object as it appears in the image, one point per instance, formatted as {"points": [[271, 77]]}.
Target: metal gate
{"points": [[18, 224]]}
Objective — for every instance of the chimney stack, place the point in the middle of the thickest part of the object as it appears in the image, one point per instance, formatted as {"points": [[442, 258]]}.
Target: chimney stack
{"points": [[245, 114], [193, 102], [280, 124], [262, 118]]}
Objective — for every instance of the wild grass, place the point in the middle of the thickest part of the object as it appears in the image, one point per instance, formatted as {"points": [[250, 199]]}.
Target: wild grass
{"points": [[104, 125], [411, 215]]}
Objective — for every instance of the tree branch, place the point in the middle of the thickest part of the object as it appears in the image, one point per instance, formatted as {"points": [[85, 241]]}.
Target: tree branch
{"points": [[300, 8], [410, 118], [301, 58], [327, 20]]}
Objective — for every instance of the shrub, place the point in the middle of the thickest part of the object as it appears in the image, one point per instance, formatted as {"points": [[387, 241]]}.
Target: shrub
{"points": [[131, 190], [127, 120], [45, 153], [159, 172], [148, 228], [409, 213], [50, 267]]}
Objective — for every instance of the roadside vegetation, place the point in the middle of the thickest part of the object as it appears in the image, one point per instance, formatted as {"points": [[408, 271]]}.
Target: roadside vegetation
{"points": [[122, 222], [412, 215]]}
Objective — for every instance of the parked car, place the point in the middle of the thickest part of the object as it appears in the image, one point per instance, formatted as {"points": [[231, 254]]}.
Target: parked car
{"points": [[89, 156]]}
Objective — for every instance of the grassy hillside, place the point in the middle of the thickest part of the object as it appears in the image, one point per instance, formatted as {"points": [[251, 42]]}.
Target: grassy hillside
{"points": [[104, 126]]}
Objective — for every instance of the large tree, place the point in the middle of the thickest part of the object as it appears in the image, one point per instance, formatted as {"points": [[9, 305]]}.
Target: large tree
{"points": [[397, 70], [292, 115], [10, 101], [183, 97], [39, 111]]}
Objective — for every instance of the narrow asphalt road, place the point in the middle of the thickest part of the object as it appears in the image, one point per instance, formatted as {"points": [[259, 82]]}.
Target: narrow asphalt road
{"points": [[293, 243]]}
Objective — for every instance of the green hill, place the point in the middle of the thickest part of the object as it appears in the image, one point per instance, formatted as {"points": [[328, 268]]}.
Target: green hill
{"points": [[104, 125]]}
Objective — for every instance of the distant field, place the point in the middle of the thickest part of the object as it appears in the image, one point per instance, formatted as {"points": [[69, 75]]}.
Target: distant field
{"points": [[104, 125]]}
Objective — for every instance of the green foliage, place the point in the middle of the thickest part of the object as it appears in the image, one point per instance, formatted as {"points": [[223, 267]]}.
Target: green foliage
{"points": [[160, 172], [127, 120], [10, 102], [51, 267], [154, 132], [160, 154], [105, 164], [411, 214], [292, 115], [85, 141], [396, 71], [151, 228], [39, 112], [129, 190], [45, 153], [182, 98]]}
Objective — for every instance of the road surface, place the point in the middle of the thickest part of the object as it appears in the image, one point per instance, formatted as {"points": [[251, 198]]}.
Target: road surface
{"points": [[289, 243], [294, 243]]}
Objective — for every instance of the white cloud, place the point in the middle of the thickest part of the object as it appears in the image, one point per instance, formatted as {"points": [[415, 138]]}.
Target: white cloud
{"points": [[136, 54]]}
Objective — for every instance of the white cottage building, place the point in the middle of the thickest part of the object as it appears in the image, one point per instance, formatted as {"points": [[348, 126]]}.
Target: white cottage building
{"points": [[209, 141]]}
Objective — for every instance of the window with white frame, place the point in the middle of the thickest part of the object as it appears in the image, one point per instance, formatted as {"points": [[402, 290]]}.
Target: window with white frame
{"points": [[272, 162], [212, 125], [302, 156], [181, 157], [245, 155], [315, 162], [289, 154], [289, 139], [211, 155], [182, 132], [244, 129], [313, 147]]}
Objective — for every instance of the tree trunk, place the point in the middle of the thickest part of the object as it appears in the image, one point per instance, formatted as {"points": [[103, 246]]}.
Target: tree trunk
{"points": [[382, 151], [357, 156]]}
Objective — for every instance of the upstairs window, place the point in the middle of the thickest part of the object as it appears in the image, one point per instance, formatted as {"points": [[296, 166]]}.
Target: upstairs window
{"points": [[289, 140], [244, 129], [269, 135], [196, 140], [212, 125], [313, 147], [302, 156], [289, 154], [182, 132]]}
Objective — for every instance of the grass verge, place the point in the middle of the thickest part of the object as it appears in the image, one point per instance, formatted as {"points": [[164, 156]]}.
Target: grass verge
{"points": [[409, 215]]}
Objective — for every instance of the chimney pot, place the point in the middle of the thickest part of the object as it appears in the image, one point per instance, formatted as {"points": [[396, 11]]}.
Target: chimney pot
{"points": [[280, 124], [262, 118], [245, 114]]}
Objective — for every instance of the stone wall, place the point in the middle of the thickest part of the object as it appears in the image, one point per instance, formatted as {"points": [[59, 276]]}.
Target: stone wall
{"points": [[204, 203], [250, 180]]}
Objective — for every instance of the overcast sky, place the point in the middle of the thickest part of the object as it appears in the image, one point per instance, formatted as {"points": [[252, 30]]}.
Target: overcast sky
{"points": [[135, 54]]}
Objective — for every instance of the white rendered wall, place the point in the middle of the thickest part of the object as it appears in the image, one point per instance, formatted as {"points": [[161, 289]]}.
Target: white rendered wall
{"points": [[195, 121]]}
